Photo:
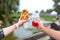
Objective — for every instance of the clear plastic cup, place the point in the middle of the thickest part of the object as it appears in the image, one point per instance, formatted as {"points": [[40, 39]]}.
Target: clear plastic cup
{"points": [[31, 18]]}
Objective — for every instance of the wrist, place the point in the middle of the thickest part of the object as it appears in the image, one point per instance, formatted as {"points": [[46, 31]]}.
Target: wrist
{"points": [[16, 26], [41, 28]]}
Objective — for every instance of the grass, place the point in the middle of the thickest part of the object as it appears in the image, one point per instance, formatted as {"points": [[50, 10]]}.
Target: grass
{"points": [[49, 18], [9, 37]]}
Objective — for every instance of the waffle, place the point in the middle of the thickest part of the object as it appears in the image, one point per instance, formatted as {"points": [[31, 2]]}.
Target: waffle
{"points": [[24, 15]]}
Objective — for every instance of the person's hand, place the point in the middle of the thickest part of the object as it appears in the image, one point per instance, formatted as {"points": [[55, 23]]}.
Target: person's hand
{"points": [[38, 23], [20, 23]]}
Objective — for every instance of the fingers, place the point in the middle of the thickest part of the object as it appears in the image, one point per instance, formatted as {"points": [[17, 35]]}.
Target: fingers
{"points": [[22, 21], [37, 20]]}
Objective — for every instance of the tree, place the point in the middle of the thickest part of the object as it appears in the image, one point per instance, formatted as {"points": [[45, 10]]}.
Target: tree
{"points": [[49, 10], [57, 6], [7, 7], [42, 11]]}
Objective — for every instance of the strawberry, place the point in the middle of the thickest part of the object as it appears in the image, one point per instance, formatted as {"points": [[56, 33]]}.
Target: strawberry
{"points": [[35, 24]]}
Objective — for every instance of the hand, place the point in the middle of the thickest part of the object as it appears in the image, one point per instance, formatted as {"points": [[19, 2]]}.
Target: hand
{"points": [[38, 24], [20, 23]]}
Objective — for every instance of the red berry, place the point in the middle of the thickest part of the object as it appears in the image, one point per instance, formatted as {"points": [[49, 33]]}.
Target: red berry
{"points": [[35, 24]]}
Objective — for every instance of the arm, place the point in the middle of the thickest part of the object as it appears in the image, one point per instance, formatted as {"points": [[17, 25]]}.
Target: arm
{"points": [[11, 28], [8, 30], [53, 33]]}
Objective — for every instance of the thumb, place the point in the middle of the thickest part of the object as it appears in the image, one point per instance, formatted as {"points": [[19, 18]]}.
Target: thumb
{"points": [[22, 21]]}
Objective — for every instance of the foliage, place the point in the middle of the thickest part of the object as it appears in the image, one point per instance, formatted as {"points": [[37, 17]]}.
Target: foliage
{"points": [[56, 6], [42, 11], [14, 15], [8, 7], [49, 10]]}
